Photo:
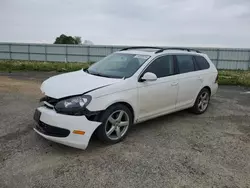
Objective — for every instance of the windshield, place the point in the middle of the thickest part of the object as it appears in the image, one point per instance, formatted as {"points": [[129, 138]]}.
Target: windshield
{"points": [[118, 65]]}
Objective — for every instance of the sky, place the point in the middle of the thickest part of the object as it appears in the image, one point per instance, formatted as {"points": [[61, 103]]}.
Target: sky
{"points": [[193, 23]]}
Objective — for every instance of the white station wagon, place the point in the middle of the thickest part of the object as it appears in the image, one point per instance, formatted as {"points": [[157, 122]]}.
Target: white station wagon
{"points": [[127, 87]]}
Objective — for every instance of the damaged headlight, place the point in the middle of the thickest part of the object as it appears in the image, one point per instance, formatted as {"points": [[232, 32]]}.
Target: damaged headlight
{"points": [[74, 105]]}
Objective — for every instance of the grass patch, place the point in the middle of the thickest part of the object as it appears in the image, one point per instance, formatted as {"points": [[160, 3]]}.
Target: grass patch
{"points": [[11, 65], [226, 77], [234, 77]]}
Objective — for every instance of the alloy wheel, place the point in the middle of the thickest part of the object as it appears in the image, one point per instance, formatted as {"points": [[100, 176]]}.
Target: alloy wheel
{"points": [[117, 125], [203, 101]]}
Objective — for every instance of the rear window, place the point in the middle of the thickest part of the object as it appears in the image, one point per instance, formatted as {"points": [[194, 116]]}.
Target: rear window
{"points": [[201, 63], [185, 63]]}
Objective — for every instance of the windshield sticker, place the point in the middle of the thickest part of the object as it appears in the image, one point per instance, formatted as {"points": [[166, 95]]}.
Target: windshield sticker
{"points": [[142, 56]]}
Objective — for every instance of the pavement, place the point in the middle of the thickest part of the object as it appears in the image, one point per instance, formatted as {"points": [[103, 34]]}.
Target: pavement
{"points": [[177, 150]]}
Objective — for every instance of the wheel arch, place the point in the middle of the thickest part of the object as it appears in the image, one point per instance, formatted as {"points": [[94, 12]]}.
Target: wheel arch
{"points": [[193, 108], [208, 88], [204, 87], [129, 106]]}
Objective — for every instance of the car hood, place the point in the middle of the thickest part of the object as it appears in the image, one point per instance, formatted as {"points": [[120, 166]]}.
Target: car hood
{"points": [[74, 83]]}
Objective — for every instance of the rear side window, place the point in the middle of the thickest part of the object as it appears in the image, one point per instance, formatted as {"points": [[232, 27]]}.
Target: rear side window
{"points": [[162, 66], [201, 62], [185, 63]]}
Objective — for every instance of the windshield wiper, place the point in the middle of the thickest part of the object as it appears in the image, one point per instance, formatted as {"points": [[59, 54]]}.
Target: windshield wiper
{"points": [[86, 70], [93, 73], [101, 75], [97, 74]]}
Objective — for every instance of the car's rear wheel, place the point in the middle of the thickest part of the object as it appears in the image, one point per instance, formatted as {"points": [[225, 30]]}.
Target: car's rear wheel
{"points": [[202, 102], [116, 122]]}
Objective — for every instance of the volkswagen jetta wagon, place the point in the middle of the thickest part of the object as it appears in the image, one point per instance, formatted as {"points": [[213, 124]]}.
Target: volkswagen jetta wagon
{"points": [[127, 87]]}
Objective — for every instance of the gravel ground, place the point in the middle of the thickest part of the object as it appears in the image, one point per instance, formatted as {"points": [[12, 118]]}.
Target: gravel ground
{"points": [[178, 150]]}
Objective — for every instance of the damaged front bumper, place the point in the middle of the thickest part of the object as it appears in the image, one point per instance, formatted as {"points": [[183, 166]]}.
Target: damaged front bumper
{"points": [[64, 129]]}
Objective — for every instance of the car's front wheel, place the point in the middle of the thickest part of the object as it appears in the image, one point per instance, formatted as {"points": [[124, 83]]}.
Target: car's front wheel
{"points": [[116, 121], [202, 102]]}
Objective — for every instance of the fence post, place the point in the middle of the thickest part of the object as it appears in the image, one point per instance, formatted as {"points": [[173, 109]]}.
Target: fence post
{"points": [[249, 61], [45, 53], [29, 52], [88, 54], [66, 56], [217, 58], [10, 51]]}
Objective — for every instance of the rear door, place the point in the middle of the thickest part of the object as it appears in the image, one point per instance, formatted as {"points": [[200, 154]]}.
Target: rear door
{"points": [[190, 80]]}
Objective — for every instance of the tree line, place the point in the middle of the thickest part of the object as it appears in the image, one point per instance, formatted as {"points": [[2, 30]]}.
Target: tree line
{"points": [[64, 39]]}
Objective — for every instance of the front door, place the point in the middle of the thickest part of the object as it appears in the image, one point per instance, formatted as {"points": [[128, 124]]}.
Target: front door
{"points": [[158, 97]]}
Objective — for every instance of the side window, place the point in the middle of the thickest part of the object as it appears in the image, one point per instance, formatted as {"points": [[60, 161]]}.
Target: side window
{"points": [[162, 67], [201, 62], [185, 63]]}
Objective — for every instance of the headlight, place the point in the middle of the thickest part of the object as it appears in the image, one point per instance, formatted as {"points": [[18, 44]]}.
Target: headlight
{"points": [[74, 105]]}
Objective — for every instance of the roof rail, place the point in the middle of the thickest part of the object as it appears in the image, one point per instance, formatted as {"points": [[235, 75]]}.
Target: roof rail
{"points": [[142, 47], [159, 49], [186, 49]]}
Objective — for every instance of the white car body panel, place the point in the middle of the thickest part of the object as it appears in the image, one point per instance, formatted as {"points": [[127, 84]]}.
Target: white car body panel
{"points": [[71, 123], [146, 99], [189, 85], [157, 97], [74, 83], [125, 91]]}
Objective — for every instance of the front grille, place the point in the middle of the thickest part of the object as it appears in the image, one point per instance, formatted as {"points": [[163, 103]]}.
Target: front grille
{"points": [[51, 130], [37, 115]]}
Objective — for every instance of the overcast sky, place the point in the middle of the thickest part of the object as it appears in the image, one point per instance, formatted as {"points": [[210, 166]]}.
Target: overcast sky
{"points": [[223, 23]]}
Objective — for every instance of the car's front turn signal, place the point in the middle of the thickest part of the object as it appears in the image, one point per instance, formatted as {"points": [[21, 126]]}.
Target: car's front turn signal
{"points": [[79, 132]]}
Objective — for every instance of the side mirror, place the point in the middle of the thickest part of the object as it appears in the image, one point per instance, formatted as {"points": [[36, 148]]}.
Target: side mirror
{"points": [[148, 76]]}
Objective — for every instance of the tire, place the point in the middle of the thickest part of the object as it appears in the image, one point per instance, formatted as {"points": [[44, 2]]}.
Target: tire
{"points": [[116, 121], [201, 103]]}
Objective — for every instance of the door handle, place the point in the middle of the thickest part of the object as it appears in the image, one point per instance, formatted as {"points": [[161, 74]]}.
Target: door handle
{"points": [[174, 84]]}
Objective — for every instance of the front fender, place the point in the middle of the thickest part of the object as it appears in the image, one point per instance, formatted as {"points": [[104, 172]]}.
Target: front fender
{"points": [[103, 102]]}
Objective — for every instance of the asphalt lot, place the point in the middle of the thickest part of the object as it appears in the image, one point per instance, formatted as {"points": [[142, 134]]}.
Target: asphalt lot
{"points": [[178, 150]]}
